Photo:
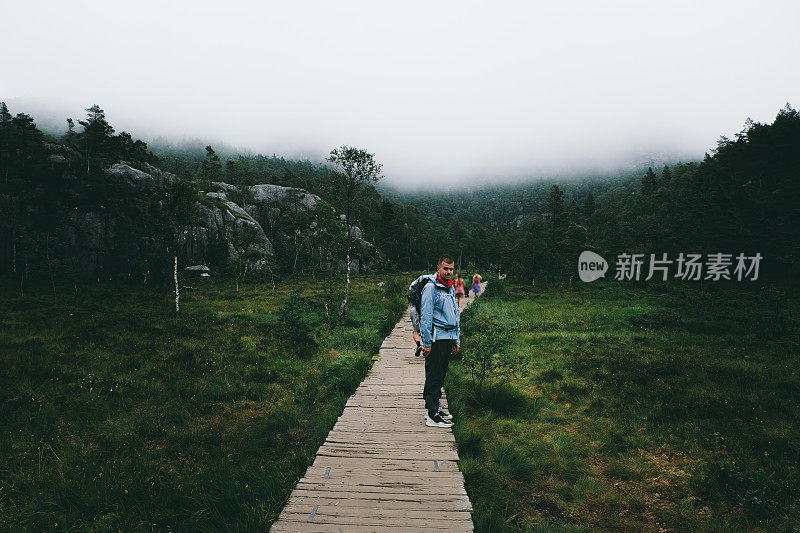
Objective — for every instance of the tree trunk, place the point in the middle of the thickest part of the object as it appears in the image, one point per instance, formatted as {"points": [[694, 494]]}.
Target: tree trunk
{"points": [[347, 275], [296, 252], [177, 290]]}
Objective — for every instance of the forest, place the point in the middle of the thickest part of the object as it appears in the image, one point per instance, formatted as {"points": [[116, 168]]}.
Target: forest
{"points": [[741, 198]]}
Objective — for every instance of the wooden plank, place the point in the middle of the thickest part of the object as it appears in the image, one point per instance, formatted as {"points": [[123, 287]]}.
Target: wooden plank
{"points": [[366, 505], [431, 478], [339, 510], [377, 521], [408, 465], [291, 527], [380, 467], [387, 455], [380, 488], [380, 495]]}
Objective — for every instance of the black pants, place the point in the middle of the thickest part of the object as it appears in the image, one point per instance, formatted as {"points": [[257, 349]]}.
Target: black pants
{"points": [[435, 370]]}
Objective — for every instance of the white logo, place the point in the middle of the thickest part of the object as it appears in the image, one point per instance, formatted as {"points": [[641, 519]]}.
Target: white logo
{"points": [[591, 266]]}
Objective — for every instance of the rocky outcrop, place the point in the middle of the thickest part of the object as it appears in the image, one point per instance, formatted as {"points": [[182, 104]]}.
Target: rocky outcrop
{"points": [[227, 226], [134, 177], [219, 231], [223, 225], [268, 204], [282, 195]]}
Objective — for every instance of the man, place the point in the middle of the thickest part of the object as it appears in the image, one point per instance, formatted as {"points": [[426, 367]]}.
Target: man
{"points": [[440, 329]]}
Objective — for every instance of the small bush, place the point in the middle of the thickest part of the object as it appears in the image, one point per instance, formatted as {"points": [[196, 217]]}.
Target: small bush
{"points": [[487, 357], [394, 288], [496, 288], [296, 327]]}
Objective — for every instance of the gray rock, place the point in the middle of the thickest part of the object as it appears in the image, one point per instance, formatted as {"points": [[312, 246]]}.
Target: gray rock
{"points": [[135, 178], [276, 193], [218, 226]]}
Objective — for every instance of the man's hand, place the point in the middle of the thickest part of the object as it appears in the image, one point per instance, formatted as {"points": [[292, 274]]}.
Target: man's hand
{"points": [[456, 348], [426, 351]]}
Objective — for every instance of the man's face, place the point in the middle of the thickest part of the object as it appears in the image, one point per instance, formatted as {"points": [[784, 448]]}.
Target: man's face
{"points": [[446, 270]]}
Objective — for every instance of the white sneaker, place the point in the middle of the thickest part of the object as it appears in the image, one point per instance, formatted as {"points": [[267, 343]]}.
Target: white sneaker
{"points": [[437, 421], [445, 415]]}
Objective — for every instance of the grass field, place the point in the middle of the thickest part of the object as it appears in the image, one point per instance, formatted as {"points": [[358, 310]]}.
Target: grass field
{"points": [[634, 409], [115, 414]]}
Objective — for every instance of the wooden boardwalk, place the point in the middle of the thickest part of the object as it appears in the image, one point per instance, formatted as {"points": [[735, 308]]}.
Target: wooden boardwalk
{"points": [[381, 468]]}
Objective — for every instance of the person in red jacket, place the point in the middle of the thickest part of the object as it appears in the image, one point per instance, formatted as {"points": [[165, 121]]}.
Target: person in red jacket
{"points": [[460, 289]]}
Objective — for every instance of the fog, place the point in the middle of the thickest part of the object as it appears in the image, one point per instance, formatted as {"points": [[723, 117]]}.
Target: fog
{"points": [[443, 93]]}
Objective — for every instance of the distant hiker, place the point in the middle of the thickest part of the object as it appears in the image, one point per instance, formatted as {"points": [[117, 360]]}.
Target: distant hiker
{"points": [[414, 299], [440, 329], [476, 284], [459, 289]]}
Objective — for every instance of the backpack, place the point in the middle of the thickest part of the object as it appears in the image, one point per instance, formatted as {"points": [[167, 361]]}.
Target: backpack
{"points": [[415, 291]]}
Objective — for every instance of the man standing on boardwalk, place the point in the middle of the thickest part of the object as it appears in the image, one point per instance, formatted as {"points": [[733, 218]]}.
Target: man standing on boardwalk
{"points": [[440, 329]]}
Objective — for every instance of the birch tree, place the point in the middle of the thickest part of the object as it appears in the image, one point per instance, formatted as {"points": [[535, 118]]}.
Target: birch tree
{"points": [[358, 168]]}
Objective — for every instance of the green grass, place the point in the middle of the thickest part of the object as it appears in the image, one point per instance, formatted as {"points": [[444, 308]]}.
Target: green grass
{"points": [[117, 415], [635, 409]]}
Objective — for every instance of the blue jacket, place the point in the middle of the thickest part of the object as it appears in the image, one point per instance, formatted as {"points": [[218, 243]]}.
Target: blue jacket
{"points": [[440, 314]]}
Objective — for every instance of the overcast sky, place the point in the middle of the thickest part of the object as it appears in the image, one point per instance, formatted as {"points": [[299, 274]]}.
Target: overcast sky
{"points": [[447, 92]]}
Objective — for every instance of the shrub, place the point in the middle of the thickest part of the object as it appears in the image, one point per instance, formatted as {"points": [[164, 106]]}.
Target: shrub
{"points": [[486, 354], [495, 288], [394, 288], [296, 327]]}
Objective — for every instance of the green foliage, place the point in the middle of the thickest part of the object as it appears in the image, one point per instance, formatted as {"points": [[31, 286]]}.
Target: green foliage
{"points": [[535, 231], [496, 288], [297, 326], [628, 415], [198, 422], [503, 399], [654, 318], [395, 288], [512, 462], [212, 167], [344, 374], [486, 354]]}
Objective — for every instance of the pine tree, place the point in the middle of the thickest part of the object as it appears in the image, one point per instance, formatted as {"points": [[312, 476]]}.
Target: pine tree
{"points": [[555, 207], [649, 182], [211, 167], [96, 134], [589, 205], [69, 137], [5, 140], [666, 175]]}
